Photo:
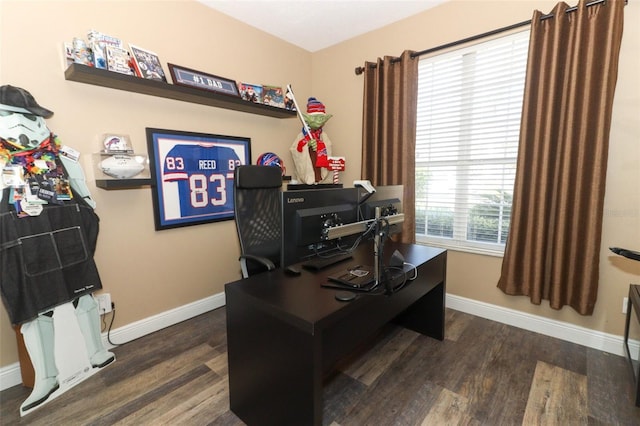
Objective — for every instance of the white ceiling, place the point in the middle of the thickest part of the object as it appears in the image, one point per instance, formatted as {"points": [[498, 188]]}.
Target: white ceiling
{"points": [[316, 24]]}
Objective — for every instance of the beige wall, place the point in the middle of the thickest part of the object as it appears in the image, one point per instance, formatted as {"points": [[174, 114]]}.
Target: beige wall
{"points": [[149, 272]]}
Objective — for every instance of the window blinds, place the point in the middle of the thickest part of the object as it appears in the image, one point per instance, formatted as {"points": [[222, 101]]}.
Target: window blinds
{"points": [[468, 122]]}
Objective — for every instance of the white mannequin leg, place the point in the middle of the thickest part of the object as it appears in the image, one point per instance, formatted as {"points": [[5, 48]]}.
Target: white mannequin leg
{"points": [[89, 322], [39, 340]]}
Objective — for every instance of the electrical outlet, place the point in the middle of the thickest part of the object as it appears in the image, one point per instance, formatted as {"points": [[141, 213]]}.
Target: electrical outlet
{"points": [[625, 300], [104, 303]]}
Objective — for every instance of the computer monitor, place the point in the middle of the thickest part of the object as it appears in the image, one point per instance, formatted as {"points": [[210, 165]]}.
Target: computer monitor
{"points": [[380, 215], [306, 213], [388, 198]]}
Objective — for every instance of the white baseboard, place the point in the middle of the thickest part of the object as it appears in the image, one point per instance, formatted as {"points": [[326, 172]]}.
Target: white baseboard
{"points": [[558, 329], [10, 375], [162, 320]]}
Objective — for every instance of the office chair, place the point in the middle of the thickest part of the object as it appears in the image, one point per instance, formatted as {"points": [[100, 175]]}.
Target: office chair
{"points": [[257, 208]]}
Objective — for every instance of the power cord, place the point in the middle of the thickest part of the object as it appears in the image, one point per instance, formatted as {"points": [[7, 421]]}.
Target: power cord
{"points": [[415, 270], [104, 324], [405, 279]]}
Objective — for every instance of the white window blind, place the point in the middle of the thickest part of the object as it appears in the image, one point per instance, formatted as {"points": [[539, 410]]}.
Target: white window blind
{"points": [[468, 123]]}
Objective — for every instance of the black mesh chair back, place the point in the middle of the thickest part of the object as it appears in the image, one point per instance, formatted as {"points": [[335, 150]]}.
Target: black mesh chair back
{"points": [[257, 207]]}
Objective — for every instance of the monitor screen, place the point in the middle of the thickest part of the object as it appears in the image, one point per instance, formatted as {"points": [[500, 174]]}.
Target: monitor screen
{"points": [[305, 213], [388, 198]]}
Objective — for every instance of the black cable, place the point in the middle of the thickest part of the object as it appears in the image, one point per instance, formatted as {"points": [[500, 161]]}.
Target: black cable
{"points": [[113, 317], [404, 279], [345, 250], [104, 324]]}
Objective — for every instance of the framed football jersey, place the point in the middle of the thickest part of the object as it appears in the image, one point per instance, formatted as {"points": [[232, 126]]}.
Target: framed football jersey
{"points": [[192, 175]]}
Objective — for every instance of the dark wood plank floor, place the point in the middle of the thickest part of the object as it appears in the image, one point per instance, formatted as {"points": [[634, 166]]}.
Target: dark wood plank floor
{"points": [[484, 373]]}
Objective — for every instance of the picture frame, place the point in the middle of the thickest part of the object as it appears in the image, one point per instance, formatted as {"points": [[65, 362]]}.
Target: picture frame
{"points": [[182, 76], [192, 175], [118, 60], [273, 96], [147, 64], [251, 92]]}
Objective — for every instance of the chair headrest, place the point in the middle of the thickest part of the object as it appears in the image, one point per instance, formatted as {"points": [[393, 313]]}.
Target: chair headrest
{"points": [[251, 176]]}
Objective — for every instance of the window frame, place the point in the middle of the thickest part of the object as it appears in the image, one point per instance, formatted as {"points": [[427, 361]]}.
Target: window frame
{"points": [[462, 212]]}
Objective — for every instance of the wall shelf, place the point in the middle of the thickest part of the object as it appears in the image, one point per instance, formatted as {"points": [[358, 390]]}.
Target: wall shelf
{"points": [[113, 80], [122, 183], [99, 77]]}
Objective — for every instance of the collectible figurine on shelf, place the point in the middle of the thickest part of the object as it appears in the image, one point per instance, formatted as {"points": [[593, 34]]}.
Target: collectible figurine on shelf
{"points": [[48, 234], [312, 148]]}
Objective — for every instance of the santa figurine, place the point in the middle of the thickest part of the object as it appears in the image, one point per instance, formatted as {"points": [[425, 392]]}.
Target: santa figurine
{"points": [[312, 148]]}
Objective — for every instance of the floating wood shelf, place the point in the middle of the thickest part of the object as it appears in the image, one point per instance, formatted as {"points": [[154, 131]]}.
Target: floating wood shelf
{"points": [[99, 77], [113, 80], [122, 183]]}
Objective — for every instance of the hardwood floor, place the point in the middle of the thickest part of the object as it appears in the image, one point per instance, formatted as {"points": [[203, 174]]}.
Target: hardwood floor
{"points": [[484, 373]]}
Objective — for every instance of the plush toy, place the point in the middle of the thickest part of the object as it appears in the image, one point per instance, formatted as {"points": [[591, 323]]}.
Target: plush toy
{"points": [[312, 148]]}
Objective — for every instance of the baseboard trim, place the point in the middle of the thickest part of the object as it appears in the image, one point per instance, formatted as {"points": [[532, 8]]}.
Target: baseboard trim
{"points": [[162, 320], [10, 375], [569, 332]]}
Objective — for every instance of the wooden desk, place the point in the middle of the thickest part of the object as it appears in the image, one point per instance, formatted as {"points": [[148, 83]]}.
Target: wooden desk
{"points": [[285, 333], [633, 304]]}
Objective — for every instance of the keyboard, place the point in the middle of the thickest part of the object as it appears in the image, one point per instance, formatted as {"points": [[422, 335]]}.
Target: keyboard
{"points": [[318, 263]]}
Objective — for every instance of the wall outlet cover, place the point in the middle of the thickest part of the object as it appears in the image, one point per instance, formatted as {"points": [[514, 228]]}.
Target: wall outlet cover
{"points": [[104, 303]]}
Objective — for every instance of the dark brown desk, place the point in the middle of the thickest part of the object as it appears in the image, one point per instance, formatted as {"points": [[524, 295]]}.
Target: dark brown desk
{"points": [[633, 305], [285, 333]]}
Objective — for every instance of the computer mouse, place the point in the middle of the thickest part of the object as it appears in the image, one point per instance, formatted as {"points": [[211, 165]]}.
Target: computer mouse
{"points": [[345, 296], [292, 270]]}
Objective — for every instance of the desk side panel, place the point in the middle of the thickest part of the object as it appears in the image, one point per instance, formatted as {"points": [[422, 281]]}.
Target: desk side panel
{"points": [[427, 314], [271, 367]]}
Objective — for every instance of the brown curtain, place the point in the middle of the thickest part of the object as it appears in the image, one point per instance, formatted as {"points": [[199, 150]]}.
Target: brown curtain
{"points": [[554, 243], [389, 129]]}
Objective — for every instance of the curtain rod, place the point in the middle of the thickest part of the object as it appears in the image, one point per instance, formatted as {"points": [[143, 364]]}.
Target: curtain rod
{"points": [[360, 70]]}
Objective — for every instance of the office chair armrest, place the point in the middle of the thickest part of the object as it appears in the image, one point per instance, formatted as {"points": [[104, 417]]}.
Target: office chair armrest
{"points": [[269, 265]]}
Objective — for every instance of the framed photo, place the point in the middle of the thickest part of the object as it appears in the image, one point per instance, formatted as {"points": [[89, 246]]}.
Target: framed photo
{"points": [[273, 95], [118, 60], [251, 92], [147, 64], [192, 176], [182, 76]]}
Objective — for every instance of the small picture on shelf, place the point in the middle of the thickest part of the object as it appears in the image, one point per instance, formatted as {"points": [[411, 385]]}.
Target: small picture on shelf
{"points": [[118, 60], [251, 92], [67, 49], [273, 96], [147, 64], [98, 42], [288, 101]]}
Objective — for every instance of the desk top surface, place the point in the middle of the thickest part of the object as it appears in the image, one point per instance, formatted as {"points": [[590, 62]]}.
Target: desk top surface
{"points": [[302, 301]]}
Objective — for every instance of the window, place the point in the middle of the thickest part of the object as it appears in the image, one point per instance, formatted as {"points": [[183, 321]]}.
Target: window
{"points": [[468, 123]]}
